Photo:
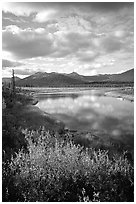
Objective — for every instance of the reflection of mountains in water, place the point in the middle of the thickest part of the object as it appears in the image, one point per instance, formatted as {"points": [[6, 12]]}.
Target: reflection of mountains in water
{"points": [[55, 96], [53, 79]]}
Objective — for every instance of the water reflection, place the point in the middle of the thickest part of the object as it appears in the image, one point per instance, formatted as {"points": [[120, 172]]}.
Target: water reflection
{"points": [[90, 111]]}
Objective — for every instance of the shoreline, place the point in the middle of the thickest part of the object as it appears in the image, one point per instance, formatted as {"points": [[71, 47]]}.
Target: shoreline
{"points": [[127, 93], [93, 138]]}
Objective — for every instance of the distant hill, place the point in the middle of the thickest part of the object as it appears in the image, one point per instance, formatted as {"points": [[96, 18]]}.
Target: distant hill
{"points": [[7, 80], [49, 79], [88, 78], [125, 76], [100, 77], [43, 79]]}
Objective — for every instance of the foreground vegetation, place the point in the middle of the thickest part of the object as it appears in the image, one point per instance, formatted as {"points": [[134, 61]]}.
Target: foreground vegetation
{"points": [[55, 170], [47, 166]]}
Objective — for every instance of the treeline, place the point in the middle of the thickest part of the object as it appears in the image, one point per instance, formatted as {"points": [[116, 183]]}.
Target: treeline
{"points": [[111, 84], [90, 84]]}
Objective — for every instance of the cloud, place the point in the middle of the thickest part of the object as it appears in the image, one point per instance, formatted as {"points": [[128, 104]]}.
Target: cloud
{"points": [[87, 47], [26, 8], [52, 27], [70, 43], [120, 33], [77, 40], [111, 44], [44, 16], [8, 63], [24, 72], [19, 9], [27, 43], [87, 56]]}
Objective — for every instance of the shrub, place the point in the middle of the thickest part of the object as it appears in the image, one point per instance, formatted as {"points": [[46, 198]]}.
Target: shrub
{"points": [[56, 170]]}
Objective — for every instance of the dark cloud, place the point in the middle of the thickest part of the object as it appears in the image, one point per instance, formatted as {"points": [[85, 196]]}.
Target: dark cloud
{"points": [[62, 9], [111, 44], [110, 6], [104, 6], [7, 63], [62, 52], [77, 40], [85, 57], [27, 44], [72, 42]]}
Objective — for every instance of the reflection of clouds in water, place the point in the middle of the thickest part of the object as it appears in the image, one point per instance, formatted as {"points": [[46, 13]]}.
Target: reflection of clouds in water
{"points": [[106, 108], [115, 132], [96, 125], [87, 112], [59, 105], [88, 117], [89, 98], [120, 99], [98, 111], [102, 105], [69, 105], [96, 105], [66, 105]]}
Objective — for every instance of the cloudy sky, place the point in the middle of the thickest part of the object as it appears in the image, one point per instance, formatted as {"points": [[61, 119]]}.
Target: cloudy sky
{"points": [[87, 38]]}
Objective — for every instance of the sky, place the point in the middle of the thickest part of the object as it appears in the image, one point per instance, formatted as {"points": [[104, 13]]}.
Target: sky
{"points": [[88, 38]]}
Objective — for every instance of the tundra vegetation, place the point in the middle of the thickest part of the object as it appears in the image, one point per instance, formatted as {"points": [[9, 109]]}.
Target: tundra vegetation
{"points": [[40, 165]]}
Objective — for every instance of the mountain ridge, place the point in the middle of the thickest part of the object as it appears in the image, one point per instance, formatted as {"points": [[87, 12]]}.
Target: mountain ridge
{"points": [[44, 79]]}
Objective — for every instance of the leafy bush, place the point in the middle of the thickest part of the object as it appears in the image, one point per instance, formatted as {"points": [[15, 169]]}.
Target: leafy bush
{"points": [[57, 170]]}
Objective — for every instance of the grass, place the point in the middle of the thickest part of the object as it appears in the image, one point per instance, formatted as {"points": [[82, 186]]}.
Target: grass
{"points": [[57, 170]]}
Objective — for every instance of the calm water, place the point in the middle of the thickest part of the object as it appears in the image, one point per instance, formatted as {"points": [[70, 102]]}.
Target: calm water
{"points": [[91, 111]]}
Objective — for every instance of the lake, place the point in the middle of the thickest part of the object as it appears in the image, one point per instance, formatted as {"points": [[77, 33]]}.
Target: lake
{"points": [[92, 111]]}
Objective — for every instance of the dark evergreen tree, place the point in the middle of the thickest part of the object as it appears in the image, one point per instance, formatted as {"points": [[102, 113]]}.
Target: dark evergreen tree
{"points": [[13, 81]]}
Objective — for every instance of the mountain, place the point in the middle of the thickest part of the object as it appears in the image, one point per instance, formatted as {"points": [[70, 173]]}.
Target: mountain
{"points": [[49, 79], [122, 77], [125, 76], [100, 77], [75, 75], [43, 79], [7, 80], [88, 78]]}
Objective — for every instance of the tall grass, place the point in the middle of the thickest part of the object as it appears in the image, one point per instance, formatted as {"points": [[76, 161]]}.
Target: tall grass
{"points": [[55, 170]]}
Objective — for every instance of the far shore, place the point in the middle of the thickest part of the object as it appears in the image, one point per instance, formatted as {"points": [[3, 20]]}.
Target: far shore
{"points": [[124, 93]]}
